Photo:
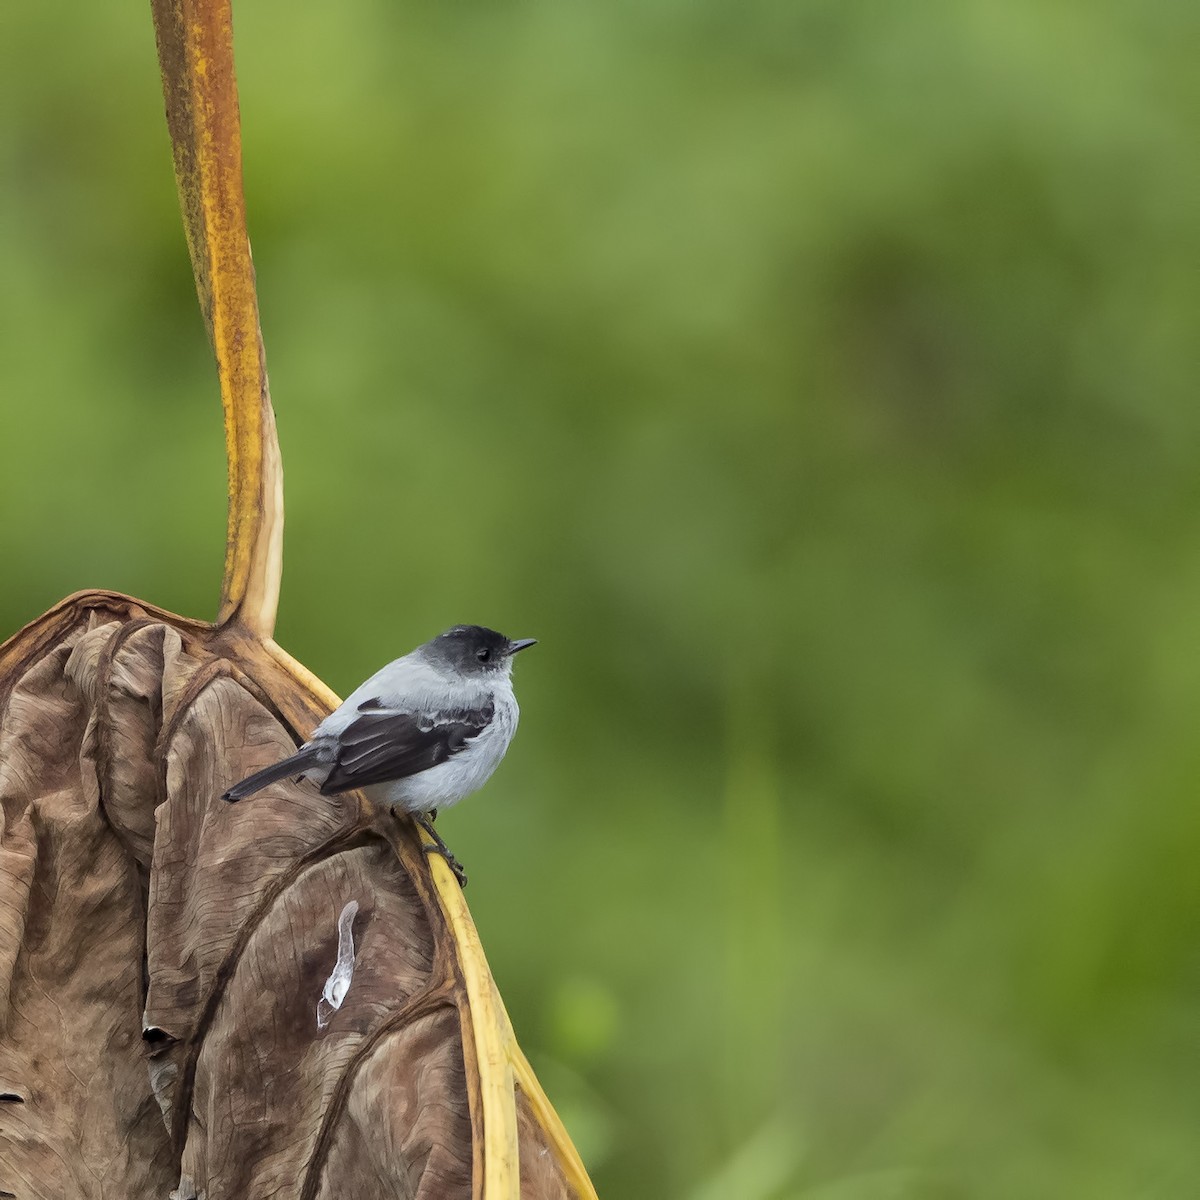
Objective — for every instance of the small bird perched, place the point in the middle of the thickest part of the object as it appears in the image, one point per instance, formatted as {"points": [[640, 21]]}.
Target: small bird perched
{"points": [[420, 734]]}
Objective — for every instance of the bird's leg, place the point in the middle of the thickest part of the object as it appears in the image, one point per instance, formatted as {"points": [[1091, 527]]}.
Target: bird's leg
{"points": [[440, 847]]}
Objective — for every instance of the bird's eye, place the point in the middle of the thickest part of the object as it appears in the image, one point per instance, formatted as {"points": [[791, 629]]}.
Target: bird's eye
{"points": [[483, 655]]}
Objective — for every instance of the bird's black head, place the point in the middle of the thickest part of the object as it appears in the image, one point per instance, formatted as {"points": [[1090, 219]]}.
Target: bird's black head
{"points": [[475, 650]]}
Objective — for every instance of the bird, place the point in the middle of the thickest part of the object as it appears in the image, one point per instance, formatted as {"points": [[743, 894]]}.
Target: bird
{"points": [[421, 734]]}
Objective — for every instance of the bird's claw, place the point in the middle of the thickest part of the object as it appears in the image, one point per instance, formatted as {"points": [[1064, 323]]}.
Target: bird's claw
{"points": [[451, 861], [437, 845]]}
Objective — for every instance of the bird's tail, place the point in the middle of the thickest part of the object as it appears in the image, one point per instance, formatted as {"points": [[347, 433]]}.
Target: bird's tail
{"points": [[298, 762]]}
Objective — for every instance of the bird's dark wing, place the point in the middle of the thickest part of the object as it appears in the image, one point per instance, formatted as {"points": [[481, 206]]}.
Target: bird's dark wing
{"points": [[381, 745]]}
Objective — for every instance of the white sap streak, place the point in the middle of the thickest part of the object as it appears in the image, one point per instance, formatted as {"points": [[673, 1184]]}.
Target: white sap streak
{"points": [[338, 983]]}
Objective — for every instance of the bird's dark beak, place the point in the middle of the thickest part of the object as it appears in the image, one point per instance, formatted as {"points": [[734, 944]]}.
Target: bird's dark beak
{"points": [[521, 644]]}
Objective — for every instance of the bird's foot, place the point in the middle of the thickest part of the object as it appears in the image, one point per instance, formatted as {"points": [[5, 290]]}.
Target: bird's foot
{"points": [[451, 862], [425, 821]]}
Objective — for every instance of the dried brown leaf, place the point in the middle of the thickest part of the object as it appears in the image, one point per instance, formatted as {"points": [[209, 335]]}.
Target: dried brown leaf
{"points": [[132, 899]]}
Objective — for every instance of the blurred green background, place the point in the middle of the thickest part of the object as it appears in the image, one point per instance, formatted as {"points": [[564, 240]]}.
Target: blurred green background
{"points": [[817, 381]]}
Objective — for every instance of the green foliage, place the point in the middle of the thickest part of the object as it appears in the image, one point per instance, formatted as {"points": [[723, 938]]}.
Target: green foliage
{"points": [[817, 381]]}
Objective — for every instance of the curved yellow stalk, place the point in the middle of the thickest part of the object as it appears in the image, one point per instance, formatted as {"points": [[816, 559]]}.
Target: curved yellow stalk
{"points": [[195, 49]]}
